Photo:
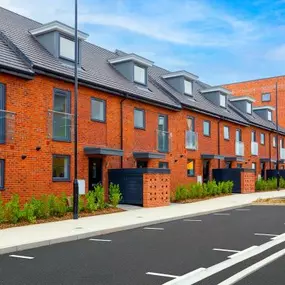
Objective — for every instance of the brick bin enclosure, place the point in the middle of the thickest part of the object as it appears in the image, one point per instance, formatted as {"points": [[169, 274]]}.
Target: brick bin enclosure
{"points": [[247, 182]]}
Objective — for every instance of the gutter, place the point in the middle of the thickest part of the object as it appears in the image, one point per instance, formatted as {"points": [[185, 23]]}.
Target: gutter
{"points": [[17, 72]]}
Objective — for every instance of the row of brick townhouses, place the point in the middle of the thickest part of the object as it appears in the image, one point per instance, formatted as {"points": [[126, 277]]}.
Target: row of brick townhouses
{"points": [[131, 114]]}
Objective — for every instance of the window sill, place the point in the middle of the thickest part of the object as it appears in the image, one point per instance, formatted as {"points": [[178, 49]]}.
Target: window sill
{"points": [[191, 176], [61, 180], [98, 121], [61, 140]]}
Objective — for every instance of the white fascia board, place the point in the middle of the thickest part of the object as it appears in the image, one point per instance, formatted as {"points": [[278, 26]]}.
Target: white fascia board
{"points": [[216, 89], [183, 73], [263, 108], [243, 98], [133, 57], [58, 26]]}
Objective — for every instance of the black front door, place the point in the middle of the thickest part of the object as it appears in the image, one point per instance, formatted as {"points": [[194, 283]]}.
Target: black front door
{"points": [[262, 168], [95, 172], [206, 171], [141, 164]]}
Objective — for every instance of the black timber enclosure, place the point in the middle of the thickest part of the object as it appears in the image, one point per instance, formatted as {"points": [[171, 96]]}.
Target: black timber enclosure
{"points": [[272, 173], [130, 181], [231, 174]]}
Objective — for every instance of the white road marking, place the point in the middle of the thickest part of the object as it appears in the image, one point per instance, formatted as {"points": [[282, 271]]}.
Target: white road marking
{"points": [[21, 256], [188, 220], [156, 229], [194, 278], [243, 251], [102, 240], [241, 210], [226, 250], [221, 214], [278, 237], [266, 235], [162, 275], [242, 274]]}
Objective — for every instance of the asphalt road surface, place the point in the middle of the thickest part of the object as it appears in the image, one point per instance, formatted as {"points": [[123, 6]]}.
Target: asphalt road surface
{"points": [[159, 253]]}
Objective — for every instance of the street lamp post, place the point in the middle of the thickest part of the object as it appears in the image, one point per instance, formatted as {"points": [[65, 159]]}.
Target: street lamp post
{"points": [[277, 135], [75, 182]]}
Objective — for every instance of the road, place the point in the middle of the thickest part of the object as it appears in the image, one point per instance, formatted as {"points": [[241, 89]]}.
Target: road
{"points": [[159, 253]]}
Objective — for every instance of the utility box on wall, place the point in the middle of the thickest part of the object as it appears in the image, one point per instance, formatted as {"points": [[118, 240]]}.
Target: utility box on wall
{"points": [[148, 187], [243, 178]]}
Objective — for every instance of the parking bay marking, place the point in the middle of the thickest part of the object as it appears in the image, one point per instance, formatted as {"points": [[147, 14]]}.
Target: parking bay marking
{"points": [[100, 240], [155, 229], [175, 276], [221, 214], [266, 235], [242, 210], [21, 256], [226, 250], [189, 220]]}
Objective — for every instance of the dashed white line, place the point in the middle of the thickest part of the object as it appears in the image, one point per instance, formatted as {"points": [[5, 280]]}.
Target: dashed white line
{"points": [[243, 251], [188, 220], [242, 210], [162, 275], [155, 229], [21, 256], [221, 214], [101, 240], [266, 235], [226, 250]]}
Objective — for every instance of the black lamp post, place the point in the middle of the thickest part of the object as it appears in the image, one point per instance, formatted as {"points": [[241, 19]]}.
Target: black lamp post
{"points": [[75, 182], [277, 131]]}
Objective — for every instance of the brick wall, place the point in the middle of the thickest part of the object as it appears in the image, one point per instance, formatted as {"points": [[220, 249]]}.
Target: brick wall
{"points": [[247, 182]]}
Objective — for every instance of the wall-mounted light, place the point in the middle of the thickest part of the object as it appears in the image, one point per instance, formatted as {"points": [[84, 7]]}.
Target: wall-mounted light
{"points": [[23, 156], [38, 148]]}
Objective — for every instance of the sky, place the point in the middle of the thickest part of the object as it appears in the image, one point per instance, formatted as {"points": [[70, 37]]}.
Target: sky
{"points": [[221, 41]]}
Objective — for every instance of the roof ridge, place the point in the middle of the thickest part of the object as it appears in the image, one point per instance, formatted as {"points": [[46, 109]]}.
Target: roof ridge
{"points": [[16, 50]]}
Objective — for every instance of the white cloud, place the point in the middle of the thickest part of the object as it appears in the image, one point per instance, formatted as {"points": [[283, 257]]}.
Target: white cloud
{"points": [[277, 53]]}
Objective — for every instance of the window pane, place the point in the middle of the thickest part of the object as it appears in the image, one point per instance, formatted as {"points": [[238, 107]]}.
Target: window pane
{"points": [[253, 165], [190, 167], [139, 118], [190, 124], [274, 141], [67, 48], [206, 128], [262, 138], [98, 110], [248, 107], [253, 136], [139, 74], [1, 173], [222, 100], [269, 115], [60, 103], [226, 133], [2, 114], [60, 167], [238, 135], [266, 97], [188, 87], [163, 164]]}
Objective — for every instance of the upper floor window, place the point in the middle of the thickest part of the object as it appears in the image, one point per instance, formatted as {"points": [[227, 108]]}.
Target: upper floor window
{"points": [[139, 74], [66, 48], [61, 115], [139, 120], [269, 116], [163, 135], [163, 164], [265, 97], [238, 135], [2, 162], [223, 101], [274, 141], [188, 87], [190, 124], [207, 128], [262, 138], [253, 136], [2, 114], [226, 133], [248, 108], [98, 109], [61, 167]]}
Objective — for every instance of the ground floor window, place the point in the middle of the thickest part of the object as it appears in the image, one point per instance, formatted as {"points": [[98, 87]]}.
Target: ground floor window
{"points": [[61, 167], [163, 164], [253, 165], [2, 173], [228, 164], [239, 165], [190, 167]]}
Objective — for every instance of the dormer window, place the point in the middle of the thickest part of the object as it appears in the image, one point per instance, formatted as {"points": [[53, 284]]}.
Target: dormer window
{"points": [[139, 74], [269, 114], [66, 48], [248, 107], [188, 87], [222, 100]]}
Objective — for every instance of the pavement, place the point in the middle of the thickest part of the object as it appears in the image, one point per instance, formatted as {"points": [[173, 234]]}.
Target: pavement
{"points": [[208, 249], [27, 237]]}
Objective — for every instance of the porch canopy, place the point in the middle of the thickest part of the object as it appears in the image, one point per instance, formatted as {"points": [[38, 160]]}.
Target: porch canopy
{"points": [[267, 159], [89, 150], [212, 156], [234, 158], [148, 155]]}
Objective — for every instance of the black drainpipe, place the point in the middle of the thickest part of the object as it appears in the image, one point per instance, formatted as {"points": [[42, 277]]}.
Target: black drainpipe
{"points": [[219, 147], [122, 128], [270, 150]]}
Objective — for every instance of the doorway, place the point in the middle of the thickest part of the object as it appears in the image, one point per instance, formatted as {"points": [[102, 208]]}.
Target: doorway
{"points": [[95, 172], [142, 164], [206, 171], [262, 168]]}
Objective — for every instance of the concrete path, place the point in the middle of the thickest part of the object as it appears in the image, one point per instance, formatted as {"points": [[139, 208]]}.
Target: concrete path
{"points": [[20, 238]]}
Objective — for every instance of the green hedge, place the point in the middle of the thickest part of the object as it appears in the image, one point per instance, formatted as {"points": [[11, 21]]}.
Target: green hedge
{"points": [[269, 184], [198, 190]]}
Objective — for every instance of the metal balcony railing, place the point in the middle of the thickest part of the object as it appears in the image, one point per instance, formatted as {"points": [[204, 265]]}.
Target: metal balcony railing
{"points": [[254, 148], [7, 126], [239, 148], [163, 141], [191, 140], [60, 126]]}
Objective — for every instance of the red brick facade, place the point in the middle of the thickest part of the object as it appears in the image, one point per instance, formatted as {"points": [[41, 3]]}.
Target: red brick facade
{"points": [[247, 182]]}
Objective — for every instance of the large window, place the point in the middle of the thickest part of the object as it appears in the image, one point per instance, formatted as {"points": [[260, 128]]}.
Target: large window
{"points": [[262, 138], [61, 167], [223, 101], [139, 118], [248, 107], [2, 166], [190, 167], [2, 114], [188, 87], [61, 115], [265, 97], [139, 74], [66, 48], [98, 110], [226, 133], [207, 128]]}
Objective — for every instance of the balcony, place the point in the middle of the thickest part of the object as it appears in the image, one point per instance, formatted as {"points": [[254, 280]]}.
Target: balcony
{"points": [[60, 126], [254, 148], [191, 140], [282, 153], [7, 126], [163, 141], [239, 148]]}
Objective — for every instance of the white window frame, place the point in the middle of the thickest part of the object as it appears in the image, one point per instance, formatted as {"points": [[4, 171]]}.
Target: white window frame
{"points": [[188, 87], [223, 100], [139, 74], [248, 107], [269, 115], [67, 51], [226, 132]]}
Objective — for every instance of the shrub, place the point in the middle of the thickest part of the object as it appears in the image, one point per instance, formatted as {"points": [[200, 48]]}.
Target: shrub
{"points": [[266, 185], [91, 205], [12, 212], [41, 207], [28, 214], [115, 194], [181, 193], [57, 205], [99, 196]]}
